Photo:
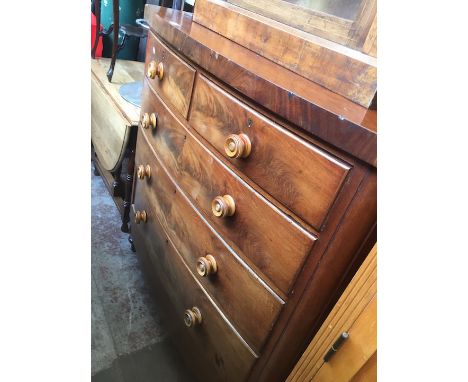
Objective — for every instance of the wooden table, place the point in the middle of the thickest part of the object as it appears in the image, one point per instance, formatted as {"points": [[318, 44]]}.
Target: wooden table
{"points": [[114, 122]]}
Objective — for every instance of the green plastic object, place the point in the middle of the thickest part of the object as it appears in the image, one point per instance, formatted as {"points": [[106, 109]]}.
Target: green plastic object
{"points": [[130, 10]]}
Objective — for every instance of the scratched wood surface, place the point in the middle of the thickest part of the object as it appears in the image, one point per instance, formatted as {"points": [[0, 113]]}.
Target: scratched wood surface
{"points": [[235, 288], [309, 174]]}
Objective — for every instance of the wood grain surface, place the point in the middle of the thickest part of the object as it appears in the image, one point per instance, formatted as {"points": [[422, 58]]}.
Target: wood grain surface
{"points": [[368, 372], [203, 177], [354, 306], [345, 71], [176, 85], [370, 45], [300, 17], [109, 128], [310, 178], [328, 270], [235, 288], [356, 351], [213, 349], [307, 269], [350, 30], [310, 107], [125, 72], [111, 115]]}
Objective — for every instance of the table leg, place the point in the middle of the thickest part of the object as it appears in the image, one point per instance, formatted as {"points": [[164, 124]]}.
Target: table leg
{"points": [[115, 42], [129, 181]]}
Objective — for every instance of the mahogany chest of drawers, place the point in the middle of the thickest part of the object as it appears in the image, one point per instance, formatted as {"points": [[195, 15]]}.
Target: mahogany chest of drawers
{"points": [[254, 200]]}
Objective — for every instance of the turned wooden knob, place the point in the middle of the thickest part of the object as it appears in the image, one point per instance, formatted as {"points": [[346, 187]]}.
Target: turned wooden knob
{"points": [[140, 216], [223, 206], [206, 266], [237, 146], [145, 120], [148, 120], [153, 120], [192, 317], [144, 171], [155, 70]]}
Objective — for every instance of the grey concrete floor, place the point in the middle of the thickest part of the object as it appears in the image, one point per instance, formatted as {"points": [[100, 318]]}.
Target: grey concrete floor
{"points": [[127, 339]]}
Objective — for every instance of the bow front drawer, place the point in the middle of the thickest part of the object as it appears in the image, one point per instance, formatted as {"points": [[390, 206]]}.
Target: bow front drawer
{"points": [[171, 77], [269, 240], [234, 287], [207, 341], [300, 175]]}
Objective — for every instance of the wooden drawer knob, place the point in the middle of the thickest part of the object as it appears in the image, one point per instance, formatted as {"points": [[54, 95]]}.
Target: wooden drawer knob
{"points": [[149, 120], [237, 146], [153, 120], [206, 266], [192, 317], [145, 120], [140, 216], [144, 171], [155, 70], [223, 206]]}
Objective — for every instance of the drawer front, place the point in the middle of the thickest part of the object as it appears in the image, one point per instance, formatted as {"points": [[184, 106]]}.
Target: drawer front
{"points": [[176, 84], [301, 176], [212, 349], [234, 287], [265, 237]]}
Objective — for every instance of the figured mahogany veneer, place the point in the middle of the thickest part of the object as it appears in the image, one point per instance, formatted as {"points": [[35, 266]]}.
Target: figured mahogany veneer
{"points": [[172, 78], [315, 58], [234, 287], [260, 202], [204, 177], [212, 348], [216, 115]]}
